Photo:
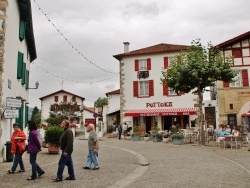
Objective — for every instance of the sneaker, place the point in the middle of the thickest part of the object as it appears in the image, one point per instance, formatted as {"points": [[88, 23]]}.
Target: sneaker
{"points": [[70, 178], [85, 167], [41, 174], [56, 179], [21, 171], [96, 168], [30, 178], [11, 171]]}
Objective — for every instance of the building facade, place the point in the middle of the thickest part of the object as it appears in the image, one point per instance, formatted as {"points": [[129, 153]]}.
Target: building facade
{"points": [[234, 98], [144, 100], [17, 51]]}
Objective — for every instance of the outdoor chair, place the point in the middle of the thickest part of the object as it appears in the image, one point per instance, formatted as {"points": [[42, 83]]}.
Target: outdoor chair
{"points": [[226, 142]]}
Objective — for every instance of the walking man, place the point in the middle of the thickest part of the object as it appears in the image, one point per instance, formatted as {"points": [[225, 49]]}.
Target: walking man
{"points": [[66, 145], [93, 145]]}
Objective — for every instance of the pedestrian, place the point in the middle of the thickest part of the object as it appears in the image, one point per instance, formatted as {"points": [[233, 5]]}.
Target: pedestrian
{"points": [[125, 129], [17, 139], [93, 146], [119, 129], [66, 145], [34, 146]]}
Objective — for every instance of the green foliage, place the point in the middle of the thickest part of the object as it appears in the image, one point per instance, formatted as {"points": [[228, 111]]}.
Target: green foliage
{"points": [[101, 101], [55, 119], [199, 67], [53, 135], [178, 136], [36, 115]]}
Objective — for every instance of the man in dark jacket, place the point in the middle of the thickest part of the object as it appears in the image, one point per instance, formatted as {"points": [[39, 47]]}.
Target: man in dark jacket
{"points": [[66, 145]]}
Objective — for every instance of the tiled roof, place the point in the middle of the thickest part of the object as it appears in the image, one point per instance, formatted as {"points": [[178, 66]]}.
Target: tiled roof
{"points": [[234, 40], [159, 48], [61, 91], [113, 92]]}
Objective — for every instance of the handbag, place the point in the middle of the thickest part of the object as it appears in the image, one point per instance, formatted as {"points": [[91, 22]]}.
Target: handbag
{"points": [[21, 146]]}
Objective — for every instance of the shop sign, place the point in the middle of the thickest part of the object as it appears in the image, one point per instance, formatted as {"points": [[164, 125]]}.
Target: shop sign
{"points": [[11, 113], [13, 102], [159, 104]]}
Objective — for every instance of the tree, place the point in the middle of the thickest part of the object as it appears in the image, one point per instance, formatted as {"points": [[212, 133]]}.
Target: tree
{"points": [[36, 115], [100, 102], [195, 70]]}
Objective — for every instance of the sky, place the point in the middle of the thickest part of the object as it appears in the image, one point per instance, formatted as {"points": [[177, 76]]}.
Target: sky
{"points": [[76, 40]]}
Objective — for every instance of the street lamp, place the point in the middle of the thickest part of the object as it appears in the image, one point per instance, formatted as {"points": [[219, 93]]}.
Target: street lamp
{"points": [[36, 84]]}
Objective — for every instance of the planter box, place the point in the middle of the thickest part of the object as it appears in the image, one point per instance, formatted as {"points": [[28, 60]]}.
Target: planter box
{"points": [[156, 139], [146, 138], [128, 137], [178, 141], [166, 140]]}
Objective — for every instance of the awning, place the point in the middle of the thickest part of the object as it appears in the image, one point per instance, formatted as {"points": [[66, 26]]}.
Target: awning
{"points": [[161, 112], [245, 114]]}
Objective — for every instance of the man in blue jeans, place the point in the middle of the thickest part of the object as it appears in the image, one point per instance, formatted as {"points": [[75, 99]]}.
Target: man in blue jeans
{"points": [[66, 145], [93, 146]]}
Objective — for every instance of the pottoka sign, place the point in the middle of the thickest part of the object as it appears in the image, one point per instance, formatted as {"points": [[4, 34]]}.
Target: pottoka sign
{"points": [[159, 104]]}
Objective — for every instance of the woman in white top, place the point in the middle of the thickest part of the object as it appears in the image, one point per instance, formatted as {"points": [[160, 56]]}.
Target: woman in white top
{"points": [[228, 129]]}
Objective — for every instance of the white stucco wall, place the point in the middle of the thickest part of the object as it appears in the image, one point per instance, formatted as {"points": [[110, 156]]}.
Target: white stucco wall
{"points": [[113, 102]]}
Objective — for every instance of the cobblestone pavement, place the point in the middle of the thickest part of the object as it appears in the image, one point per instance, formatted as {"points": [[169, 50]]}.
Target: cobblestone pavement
{"points": [[139, 164]]}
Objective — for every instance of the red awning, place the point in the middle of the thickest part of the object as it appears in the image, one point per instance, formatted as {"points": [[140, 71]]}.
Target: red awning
{"points": [[161, 112], [245, 114]]}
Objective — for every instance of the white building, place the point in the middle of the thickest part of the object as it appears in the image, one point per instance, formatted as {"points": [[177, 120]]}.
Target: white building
{"points": [[17, 51], [51, 104], [144, 100]]}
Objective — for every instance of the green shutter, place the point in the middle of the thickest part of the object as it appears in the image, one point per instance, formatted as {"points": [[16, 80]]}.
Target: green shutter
{"points": [[26, 116], [20, 65], [27, 79], [20, 119], [24, 74], [22, 27]]}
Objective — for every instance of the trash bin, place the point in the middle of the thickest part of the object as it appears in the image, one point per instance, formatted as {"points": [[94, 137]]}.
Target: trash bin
{"points": [[9, 156]]}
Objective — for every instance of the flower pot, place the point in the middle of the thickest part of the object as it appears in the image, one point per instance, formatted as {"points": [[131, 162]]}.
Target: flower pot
{"points": [[146, 138], [178, 141], [156, 139], [136, 137], [53, 149], [166, 140], [128, 137]]}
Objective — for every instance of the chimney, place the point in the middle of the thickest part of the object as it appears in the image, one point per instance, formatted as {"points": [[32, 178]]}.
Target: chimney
{"points": [[126, 47]]}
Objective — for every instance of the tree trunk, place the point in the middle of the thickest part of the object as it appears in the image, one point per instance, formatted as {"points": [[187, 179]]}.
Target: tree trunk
{"points": [[200, 117]]}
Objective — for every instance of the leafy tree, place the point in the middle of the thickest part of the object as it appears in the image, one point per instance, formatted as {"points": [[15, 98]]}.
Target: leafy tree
{"points": [[55, 120], [196, 69], [36, 115], [100, 102]]}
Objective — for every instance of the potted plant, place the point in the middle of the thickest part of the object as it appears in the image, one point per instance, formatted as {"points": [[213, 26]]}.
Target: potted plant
{"points": [[165, 138], [177, 138], [157, 137], [128, 136], [146, 137], [136, 133], [52, 138]]}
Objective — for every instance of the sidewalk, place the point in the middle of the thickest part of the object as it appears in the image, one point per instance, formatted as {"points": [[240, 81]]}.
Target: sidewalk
{"points": [[141, 164]]}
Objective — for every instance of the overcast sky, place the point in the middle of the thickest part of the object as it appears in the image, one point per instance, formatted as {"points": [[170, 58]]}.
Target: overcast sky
{"points": [[78, 49]]}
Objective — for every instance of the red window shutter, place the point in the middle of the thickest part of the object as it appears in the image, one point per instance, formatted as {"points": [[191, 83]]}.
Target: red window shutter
{"points": [[237, 53], [135, 88], [65, 98], [151, 87], [165, 62], [165, 88], [244, 74], [148, 64], [225, 84], [56, 98], [181, 93], [73, 98], [136, 65]]}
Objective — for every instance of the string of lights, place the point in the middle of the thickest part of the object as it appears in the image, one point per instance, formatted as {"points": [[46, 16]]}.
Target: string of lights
{"points": [[72, 46], [74, 81]]}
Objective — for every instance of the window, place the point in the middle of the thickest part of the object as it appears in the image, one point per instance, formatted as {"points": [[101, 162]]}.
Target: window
{"points": [[56, 98], [237, 81], [73, 98], [65, 98], [143, 88], [142, 64]]}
